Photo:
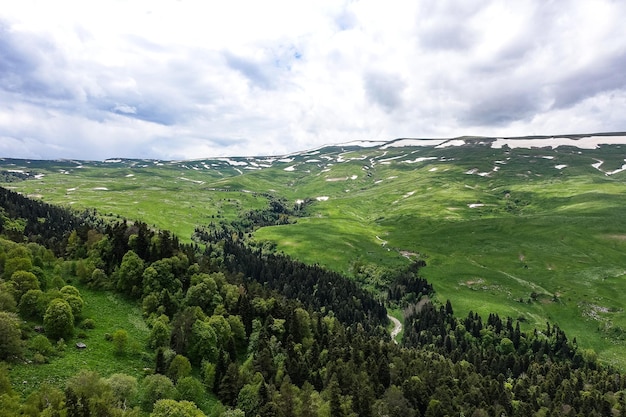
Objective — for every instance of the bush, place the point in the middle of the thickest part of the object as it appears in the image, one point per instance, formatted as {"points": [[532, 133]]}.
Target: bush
{"points": [[39, 359], [88, 324], [40, 344], [120, 341]]}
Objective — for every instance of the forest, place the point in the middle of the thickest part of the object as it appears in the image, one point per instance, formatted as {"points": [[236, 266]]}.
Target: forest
{"points": [[238, 330]]}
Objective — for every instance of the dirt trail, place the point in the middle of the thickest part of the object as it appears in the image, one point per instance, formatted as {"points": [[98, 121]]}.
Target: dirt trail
{"points": [[397, 328]]}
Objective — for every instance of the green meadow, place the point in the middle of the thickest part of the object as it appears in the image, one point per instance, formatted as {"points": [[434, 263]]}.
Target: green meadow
{"points": [[535, 234], [110, 313]]}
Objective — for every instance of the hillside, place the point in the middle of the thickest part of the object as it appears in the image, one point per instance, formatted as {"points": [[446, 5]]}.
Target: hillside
{"points": [[529, 228]]}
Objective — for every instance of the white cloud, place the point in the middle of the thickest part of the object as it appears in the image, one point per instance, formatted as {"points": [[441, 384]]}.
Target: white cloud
{"points": [[190, 79]]}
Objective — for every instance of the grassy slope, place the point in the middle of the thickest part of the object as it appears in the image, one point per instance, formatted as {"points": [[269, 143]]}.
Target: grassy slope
{"points": [[110, 312], [561, 238]]}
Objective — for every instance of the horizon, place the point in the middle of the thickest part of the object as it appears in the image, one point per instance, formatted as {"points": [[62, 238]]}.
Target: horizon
{"points": [[372, 143]]}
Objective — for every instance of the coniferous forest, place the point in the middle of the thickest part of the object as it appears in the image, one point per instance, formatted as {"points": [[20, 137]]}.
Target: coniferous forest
{"points": [[234, 330]]}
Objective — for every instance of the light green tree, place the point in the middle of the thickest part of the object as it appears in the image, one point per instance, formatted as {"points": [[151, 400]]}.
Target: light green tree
{"points": [[120, 342], [172, 408], [10, 335], [58, 321]]}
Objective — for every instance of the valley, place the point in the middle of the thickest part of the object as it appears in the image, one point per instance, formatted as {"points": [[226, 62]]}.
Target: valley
{"points": [[536, 233]]}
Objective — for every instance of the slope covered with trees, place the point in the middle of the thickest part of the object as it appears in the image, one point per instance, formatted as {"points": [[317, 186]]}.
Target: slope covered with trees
{"points": [[233, 331]]}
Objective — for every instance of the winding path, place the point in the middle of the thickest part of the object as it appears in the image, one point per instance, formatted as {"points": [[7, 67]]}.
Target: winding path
{"points": [[397, 327]]}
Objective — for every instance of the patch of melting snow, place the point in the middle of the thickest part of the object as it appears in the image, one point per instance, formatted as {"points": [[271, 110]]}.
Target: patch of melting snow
{"points": [[194, 181], [354, 177], [322, 198], [336, 179], [39, 176], [413, 142], [547, 157], [363, 143], [290, 168], [72, 189], [409, 194], [474, 205], [233, 163], [560, 166], [433, 169], [422, 159], [110, 161], [589, 142], [378, 181], [392, 158], [100, 189], [393, 177], [239, 171], [286, 160], [130, 175]]}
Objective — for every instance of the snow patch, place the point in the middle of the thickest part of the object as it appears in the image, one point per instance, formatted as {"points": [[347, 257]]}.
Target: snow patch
{"points": [[354, 177], [433, 169], [322, 198], [589, 142], [392, 158], [413, 142], [291, 168], [194, 181], [560, 166], [100, 189], [111, 161], [363, 143], [474, 205], [421, 159], [130, 175], [233, 163]]}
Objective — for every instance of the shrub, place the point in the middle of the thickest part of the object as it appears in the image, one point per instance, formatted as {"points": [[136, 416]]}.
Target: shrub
{"points": [[88, 324]]}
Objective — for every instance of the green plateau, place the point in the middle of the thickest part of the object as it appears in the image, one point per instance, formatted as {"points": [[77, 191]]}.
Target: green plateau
{"points": [[537, 233]]}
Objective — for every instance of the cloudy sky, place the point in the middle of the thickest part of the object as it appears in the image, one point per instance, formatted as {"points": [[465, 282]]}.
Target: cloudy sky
{"points": [[182, 79]]}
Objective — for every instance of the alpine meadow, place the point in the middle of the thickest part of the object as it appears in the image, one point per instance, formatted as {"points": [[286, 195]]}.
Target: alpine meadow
{"points": [[263, 285]]}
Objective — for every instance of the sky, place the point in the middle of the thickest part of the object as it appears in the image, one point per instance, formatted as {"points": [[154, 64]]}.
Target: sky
{"points": [[187, 79]]}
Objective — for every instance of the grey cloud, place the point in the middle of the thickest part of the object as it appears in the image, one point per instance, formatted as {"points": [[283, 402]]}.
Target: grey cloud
{"points": [[500, 109], [384, 89], [27, 66], [254, 71], [602, 76], [443, 24]]}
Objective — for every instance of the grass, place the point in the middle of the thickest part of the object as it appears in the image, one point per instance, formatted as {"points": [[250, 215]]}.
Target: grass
{"points": [[110, 312], [494, 225]]}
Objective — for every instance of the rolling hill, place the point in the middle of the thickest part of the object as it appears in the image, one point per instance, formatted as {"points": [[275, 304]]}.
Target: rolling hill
{"points": [[531, 228]]}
